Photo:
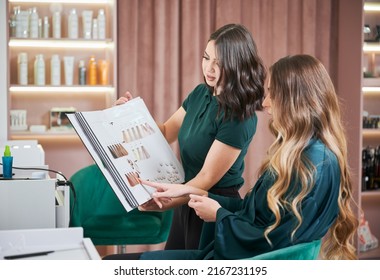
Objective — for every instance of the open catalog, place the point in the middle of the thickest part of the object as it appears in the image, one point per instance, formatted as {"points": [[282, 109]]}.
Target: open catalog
{"points": [[127, 145]]}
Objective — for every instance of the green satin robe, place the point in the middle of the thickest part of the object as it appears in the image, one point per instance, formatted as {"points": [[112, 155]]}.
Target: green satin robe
{"points": [[240, 223]]}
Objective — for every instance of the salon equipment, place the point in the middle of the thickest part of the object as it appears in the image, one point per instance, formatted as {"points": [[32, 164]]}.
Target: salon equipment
{"points": [[31, 199], [33, 203]]}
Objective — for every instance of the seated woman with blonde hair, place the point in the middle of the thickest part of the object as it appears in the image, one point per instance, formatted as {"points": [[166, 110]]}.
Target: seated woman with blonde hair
{"points": [[304, 192]]}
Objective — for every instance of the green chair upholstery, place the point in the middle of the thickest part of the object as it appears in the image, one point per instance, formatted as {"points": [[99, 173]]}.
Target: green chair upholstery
{"points": [[302, 251], [103, 218]]}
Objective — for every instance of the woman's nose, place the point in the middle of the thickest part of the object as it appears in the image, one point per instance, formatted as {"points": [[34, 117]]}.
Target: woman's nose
{"points": [[210, 67]]}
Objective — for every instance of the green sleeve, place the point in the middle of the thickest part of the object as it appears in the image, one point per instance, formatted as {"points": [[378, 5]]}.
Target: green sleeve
{"points": [[230, 203], [241, 234], [237, 133]]}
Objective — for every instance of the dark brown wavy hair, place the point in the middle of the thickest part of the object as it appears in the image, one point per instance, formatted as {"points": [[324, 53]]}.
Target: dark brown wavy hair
{"points": [[242, 72]]}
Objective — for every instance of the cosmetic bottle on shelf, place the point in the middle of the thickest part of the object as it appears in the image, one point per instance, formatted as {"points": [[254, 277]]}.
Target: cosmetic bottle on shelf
{"points": [[57, 25], [46, 28], [101, 24], [33, 23], [22, 69], [13, 21], [103, 67], [73, 24], [92, 72], [55, 70], [82, 73], [39, 70], [95, 29]]}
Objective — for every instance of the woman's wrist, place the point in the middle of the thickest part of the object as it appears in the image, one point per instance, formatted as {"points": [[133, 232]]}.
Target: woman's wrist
{"points": [[200, 192]]}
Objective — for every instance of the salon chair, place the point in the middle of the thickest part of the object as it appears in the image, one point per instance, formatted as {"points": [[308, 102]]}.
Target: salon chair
{"points": [[96, 209], [302, 251]]}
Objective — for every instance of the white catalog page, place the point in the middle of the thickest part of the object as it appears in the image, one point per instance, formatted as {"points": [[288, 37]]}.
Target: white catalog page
{"points": [[127, 144]]}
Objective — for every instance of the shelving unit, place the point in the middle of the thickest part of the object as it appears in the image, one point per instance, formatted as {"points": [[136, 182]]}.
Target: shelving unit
{"points": [[63, 149], [370, 199]]}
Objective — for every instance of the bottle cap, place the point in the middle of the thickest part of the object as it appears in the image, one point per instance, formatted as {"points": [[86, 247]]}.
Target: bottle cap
{"points": [[81, 63], [7, 151], [22, 57]]}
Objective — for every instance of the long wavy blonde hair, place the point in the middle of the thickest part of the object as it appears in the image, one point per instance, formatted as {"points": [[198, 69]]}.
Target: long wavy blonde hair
{"points": [[305, 105]]}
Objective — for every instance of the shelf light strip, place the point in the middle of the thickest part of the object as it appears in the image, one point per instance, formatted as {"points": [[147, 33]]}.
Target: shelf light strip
{"points": [[371, 48], [61, 44], [371, 89], [371, 7], [63, 1], [61, 89]]}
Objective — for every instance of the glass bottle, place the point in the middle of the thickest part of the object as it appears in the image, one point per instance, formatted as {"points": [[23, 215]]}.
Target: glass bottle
{"points": [[33, 23], [13, 21], [82, 73]]}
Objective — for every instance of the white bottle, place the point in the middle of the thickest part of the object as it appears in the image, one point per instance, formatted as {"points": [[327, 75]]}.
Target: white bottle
{"points": [[40, 28], [87, 24], [95, 29], [72, 22], [101, 24], [13, 21], [55, 70], [22, 69], [33, 23], [39, 70], [46, 28], [57, 25], [22, 24]]}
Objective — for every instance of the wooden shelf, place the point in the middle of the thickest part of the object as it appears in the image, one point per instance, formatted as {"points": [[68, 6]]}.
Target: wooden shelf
{"points": [[14, 89], [371, 47], [62, 43], [371, 133], [371, 82], [48, 137], [371, 193]]}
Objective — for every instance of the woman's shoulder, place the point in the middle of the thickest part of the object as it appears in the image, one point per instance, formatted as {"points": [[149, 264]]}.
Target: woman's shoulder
{"points": [[320, 152], [198, 94], [200, 90]]}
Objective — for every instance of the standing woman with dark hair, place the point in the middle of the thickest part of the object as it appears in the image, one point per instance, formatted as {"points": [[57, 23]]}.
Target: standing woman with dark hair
{"points": [[304, 192], [214, 126]]}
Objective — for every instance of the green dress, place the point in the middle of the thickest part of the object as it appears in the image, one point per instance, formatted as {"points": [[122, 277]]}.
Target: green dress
{"points": [[240, 223], [202, 126]]}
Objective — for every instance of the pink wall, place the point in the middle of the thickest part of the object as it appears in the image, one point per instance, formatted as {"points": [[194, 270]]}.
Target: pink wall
{"points": [[349, 80]]}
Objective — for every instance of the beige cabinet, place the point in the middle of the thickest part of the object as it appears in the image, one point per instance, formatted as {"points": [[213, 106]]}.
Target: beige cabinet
{"points": [[37, 107], [370, 191]]}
